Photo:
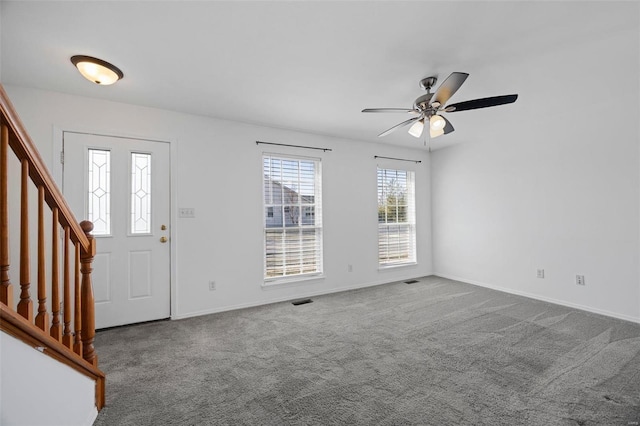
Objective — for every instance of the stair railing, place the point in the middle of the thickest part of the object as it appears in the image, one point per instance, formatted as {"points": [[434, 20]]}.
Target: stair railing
{"points": [[50, 331]]}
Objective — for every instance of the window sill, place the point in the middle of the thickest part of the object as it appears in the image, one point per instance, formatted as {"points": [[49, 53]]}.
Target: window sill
{"points": [[396, 265], [278, 282]]}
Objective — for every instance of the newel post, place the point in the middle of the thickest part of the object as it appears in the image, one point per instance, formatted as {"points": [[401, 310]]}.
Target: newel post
{"points": [[88, 305]]}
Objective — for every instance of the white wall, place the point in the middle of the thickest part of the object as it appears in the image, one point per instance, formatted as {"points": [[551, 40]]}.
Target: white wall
{"points": [[35, 389], [218, 172], [553, 183]]}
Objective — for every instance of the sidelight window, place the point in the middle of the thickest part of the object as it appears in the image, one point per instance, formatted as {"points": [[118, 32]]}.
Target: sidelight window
{"points": [[99, 191], [140, 193]]}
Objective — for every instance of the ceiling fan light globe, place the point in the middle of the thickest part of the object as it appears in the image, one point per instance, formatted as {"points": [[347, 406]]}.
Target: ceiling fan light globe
{"points": [[416, 129], [435, 133], [436, 122]]}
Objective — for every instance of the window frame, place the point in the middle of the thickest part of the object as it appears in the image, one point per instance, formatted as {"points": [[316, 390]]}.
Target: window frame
{"points": [[270, 272], [89, 210], [394, 259], [131, 232]]}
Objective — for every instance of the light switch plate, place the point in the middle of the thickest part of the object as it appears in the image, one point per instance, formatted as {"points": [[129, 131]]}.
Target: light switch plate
{"points": [[187, 212]]}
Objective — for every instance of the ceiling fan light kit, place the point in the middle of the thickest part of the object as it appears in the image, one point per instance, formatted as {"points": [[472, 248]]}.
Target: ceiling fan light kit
{"points": [[426, 109]]}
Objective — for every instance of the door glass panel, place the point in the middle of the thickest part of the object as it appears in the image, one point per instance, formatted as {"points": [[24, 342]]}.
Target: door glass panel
{"points": [[99, 196], [140, 193]]}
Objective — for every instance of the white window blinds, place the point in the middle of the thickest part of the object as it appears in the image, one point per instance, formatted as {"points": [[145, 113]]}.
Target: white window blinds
{"points": [[292, 216], [396, 217]]}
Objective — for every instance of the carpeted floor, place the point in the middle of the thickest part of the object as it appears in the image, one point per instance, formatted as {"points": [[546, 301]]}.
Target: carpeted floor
{"points": [[437, 352]]}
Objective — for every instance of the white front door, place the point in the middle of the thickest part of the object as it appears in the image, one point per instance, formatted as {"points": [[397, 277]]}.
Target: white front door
{"points": [[122, 186]]}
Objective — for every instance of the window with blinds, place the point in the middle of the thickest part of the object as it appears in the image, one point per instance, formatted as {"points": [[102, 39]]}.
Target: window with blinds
{"points": [[396, 217], [292, 216]]}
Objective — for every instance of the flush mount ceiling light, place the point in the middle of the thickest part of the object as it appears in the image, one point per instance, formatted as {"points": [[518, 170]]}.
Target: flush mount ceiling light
{"points": [[96, 70]]}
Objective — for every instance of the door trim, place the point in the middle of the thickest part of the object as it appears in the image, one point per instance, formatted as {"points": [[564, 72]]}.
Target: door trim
{"points": [[56, 170]]}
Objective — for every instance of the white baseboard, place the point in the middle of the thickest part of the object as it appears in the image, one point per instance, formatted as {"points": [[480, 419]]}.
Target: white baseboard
{"points": [[542, 298], [287, 298]]}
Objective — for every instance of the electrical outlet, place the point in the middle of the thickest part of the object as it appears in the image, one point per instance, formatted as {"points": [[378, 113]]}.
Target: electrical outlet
{"points": [[212, 285], [350, 268], [540, 273], [187, 212], [580, 279]]}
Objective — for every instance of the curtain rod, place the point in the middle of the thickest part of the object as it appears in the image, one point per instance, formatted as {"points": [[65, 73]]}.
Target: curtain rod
{"points": [[293, 146], [399, 159]]}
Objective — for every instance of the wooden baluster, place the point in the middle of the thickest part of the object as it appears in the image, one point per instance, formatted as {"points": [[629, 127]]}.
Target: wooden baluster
{"points": [[88, 305], [25, 305], [6, 288], [77, 309], [42, 319], [66, 285], [56, 327]]}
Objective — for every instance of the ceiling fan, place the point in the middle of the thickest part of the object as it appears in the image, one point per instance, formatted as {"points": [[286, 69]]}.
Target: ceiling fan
{"points": [[429, 107]]}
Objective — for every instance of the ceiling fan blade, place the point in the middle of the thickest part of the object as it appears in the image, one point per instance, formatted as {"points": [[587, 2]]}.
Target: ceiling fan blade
{"points": [[450, 86], [482, 103], [397, 126], [448, 128], [389, 110]]}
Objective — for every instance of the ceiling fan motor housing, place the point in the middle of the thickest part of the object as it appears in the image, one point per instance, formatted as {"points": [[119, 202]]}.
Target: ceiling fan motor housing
{"points": [[428, 83], [422, 102]]}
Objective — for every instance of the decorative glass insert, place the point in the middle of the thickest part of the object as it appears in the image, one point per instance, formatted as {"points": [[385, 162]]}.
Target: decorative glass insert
{"points": [[396, 217], [99, 192], [293, 220], [140, 193]]}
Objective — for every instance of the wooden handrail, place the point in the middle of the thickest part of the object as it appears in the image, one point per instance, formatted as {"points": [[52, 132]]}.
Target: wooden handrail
{"points": [[24, 148], [46, 329]]}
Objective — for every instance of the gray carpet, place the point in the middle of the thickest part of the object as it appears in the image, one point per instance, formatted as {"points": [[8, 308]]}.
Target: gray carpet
{"points": [[437, 352]]}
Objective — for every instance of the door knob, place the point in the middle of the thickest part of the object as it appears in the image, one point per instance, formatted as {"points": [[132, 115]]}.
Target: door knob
{"points": [[163, 239]]}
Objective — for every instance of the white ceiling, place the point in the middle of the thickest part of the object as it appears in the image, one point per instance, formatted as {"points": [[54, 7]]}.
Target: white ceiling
{"points": [[305, 65]]}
